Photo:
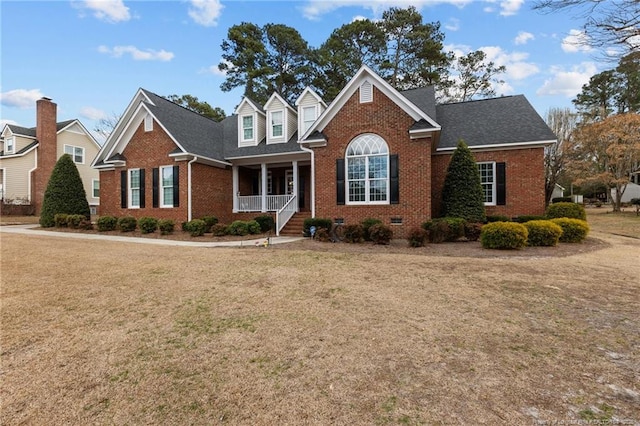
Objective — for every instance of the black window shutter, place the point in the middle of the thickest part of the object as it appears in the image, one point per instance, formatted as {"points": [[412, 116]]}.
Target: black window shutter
{"points": [[176, 186], [155, 177], [123, 189], [142, 189], [340, 181], [394, 181], [501, 185]]}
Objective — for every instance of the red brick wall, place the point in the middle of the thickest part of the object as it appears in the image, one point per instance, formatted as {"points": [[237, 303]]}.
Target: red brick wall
{"points": [[46, 134], [384, 118], [524, 180], [212, 190]]}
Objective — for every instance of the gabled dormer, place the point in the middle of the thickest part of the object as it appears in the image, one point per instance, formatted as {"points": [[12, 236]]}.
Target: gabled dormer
{"points": [[281, 119], [251, 123], [310, 106]]}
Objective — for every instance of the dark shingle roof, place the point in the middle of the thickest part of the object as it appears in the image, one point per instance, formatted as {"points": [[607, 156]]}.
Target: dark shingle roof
{"points": [[24, 131], [424, 98], [505, 120], [23, 150], [231, 149]]}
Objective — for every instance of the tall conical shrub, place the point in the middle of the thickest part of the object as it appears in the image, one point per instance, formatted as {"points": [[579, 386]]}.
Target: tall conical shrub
{"points": [[462, 194], [65, 193]]}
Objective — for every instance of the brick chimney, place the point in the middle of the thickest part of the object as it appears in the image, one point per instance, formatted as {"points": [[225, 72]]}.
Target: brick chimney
{"points": [[46, 135]]}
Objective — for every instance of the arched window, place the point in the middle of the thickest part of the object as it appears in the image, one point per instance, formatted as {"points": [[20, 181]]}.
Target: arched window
{"points": [[367, 170]]}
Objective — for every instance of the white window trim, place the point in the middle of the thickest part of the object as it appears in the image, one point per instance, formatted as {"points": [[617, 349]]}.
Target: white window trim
{"points": [[302, 120], [13, 145], [161, 187], [367, 180], [73, 156], [93, 188], [253, 128], [284, 125], [130, 190], [493, 183], [148, 123]]}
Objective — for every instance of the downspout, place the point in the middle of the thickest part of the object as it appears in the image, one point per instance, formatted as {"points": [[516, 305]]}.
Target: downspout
{"points": [[189, 214], [30, 181], [313, 180]]}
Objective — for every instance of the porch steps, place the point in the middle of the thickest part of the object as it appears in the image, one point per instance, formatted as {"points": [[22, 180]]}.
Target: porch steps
{"points": [[294, 227]]}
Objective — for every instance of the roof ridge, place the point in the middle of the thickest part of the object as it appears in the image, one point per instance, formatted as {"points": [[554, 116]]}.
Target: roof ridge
{"points": [[180, 106], [480, 100]]}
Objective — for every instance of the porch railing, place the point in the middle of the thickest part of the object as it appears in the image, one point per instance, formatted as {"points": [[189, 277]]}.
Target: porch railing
{"points": [[285, 213], [253, 203]]}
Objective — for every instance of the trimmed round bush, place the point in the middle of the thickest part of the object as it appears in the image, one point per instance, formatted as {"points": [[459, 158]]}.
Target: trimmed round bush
{"points": [[528, 218], [253, 227], [353, 233], [148, 225], [127, 224], [107, 223], [438, 230], [417, 237], [472, 230], [209, 221], [64, 193], [368, 223], [195, 227], [77, 221], [60, 220], [318, 222], [322, 235], [166, 226], [570, 210], [573, 230], [543, 233], [380, 234], [238, 227], [498, 218], [266, 222], [504, 235], [219, 230]]}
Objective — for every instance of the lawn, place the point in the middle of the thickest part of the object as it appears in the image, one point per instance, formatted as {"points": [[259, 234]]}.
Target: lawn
{"points": [[119, 333]]}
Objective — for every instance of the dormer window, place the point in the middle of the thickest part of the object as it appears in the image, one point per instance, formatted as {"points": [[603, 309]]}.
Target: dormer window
{"points": [[308, 117], [277, 124], [9, 145], [247, 127]]}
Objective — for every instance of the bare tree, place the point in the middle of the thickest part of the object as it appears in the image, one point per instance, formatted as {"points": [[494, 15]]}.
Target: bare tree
{"points": [[105, 125], [562, 121]]}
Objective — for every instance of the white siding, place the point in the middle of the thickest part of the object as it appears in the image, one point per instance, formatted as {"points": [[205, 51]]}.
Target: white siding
{"points": [[87, 174], [245, 110], [17, 176], [306, 101]]}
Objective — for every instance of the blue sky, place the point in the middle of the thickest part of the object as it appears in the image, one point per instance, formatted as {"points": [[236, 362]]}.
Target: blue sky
{"points": [[91, 56]]}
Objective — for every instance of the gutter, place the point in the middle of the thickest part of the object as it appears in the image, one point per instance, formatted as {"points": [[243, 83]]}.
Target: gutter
{"points": [[189, 213]]}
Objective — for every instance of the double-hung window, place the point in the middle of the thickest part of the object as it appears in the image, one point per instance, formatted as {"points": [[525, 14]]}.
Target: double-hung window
{"points": [[134, 188], [9, 145], [247, 127], [488, 181], [76, 153], [277, 124], [308, 117], [166, 183], [95, 187], [367, 170]]}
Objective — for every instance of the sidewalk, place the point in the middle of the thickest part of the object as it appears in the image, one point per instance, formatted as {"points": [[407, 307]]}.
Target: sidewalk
{"points": [[30, 230]]}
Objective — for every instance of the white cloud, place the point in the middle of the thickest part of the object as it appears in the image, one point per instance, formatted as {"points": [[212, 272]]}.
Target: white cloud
{"points": [[137, 54], [92, 113], [205, 12], [106, 10], [515, 62], [510, 7], [21, 98], [213, 69], [567, 83], [576, 41], [452, 24], [314, 9], [4, 122], [523, 37]]}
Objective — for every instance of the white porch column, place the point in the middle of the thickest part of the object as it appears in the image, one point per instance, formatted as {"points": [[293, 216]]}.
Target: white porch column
{"points": [[295, 183], [235, 187], [263, 168]]}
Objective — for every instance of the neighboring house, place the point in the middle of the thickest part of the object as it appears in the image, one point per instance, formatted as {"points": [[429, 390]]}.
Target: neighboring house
{"points": [[558, 191], [632, 190], [29, 155], [373, 152]]}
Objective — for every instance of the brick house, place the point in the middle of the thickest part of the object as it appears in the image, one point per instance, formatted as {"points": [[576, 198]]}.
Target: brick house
{"points": [[29, 155], [373, 152]]}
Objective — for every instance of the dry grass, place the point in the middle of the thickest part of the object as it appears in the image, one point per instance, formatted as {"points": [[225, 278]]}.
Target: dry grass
{"points": [[115, 333], [625, 223]]}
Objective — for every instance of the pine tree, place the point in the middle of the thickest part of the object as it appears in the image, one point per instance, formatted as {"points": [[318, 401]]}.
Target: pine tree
{"points": [[65, 193], [462, 194]]}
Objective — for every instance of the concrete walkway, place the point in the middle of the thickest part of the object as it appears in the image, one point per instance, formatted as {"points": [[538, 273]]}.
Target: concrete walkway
{"points": [[30, 230]]}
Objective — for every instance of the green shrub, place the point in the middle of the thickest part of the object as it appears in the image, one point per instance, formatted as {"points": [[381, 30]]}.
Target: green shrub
{"points": [[462, 194], [543, 233], [573, 230], [380, 234], [322, 235], [318, 222], [195, 227], [498, 218], [127, 223], [219, 230], [503, 235], [472, 230], [438, 230], [238, 227], [266, 222], [107, 223], [353, 233], [417, 237], [456, 227], [561, 200], [64, 194], [60, 220], [528, 218], [166, 226], [147, 225], [77, 221], [209, 221], [366, 224], [253, 227], [570, 210]]}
